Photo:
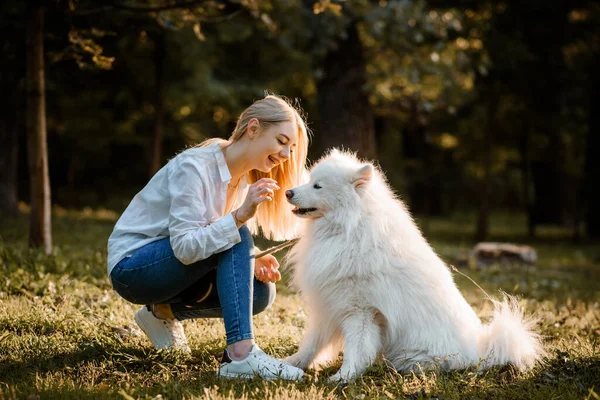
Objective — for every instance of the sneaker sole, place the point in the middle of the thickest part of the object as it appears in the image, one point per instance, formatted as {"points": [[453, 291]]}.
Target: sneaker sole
{"points": [[245, 376], [239, 376]]}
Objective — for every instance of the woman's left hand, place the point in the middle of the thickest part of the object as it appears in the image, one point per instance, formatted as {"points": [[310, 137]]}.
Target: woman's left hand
{"points": [[266, 269]]}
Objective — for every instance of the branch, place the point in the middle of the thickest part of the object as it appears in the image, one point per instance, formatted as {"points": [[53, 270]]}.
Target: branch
{"points": [[182, 4], [119, 6], [221, 18], [460, 4]]}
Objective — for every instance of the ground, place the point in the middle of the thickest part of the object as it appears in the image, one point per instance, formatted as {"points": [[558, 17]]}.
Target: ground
{"points": [[65, 334]]}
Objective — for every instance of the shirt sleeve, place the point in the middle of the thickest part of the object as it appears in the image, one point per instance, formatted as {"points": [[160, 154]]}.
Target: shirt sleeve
{"points": [[193, 237]]}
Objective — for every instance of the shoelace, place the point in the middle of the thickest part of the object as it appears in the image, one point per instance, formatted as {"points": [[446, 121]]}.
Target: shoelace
{"points": [[271, 361]]}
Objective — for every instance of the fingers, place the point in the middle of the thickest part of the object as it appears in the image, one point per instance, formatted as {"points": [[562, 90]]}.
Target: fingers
{"points": [[265, 193], [265, 180], [259, 192], [274, 263], [259, 272], [263, 190], [264, 183], [273, 274], [267, 273]]}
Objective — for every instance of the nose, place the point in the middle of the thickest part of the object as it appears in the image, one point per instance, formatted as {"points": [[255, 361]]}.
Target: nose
{"points": [[285, 153], [289, 194]]}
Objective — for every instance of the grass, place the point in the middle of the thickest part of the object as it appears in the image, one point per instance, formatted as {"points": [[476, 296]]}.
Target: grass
{"points": [[65, 334]]}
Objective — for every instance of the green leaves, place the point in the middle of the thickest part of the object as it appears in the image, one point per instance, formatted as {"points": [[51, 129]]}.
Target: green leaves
{"points": [[84, 50]]}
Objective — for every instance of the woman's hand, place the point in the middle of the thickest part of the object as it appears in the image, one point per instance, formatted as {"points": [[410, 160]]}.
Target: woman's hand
{"points": [[260, 191], [266, 269]]}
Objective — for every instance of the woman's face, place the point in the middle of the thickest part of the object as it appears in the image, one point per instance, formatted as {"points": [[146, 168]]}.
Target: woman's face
{"points": [[272, 145]]}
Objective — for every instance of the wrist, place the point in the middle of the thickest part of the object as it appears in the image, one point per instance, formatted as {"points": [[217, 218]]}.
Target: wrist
{"points": [[238, 221]]}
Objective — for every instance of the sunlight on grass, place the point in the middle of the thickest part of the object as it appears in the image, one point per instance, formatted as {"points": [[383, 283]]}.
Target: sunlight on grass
{"points": [[65, 334]]}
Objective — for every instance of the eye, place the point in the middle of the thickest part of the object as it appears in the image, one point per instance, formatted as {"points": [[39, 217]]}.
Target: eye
{"points": [[317, 186], [280, 141]]}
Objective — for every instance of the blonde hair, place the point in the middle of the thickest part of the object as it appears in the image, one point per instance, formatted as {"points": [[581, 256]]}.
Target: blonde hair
{"points": [[274, 217]]}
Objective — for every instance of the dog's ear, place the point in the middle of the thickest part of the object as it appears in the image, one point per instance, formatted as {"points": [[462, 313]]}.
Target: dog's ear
{"points": [[362, 176]]}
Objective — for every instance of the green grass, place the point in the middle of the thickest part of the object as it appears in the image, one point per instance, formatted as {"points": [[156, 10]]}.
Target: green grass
{"points": [[65, 334]]}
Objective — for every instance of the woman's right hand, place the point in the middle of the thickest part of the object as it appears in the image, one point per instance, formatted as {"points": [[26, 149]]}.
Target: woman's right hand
{"points": [[260, 191]]}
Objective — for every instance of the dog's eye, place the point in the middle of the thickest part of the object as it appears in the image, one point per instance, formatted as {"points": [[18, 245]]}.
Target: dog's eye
{"points": [[317, 186]]}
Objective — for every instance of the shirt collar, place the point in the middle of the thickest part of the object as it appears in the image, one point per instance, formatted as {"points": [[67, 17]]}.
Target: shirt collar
{"points": [[220, 157], [224, 169]]}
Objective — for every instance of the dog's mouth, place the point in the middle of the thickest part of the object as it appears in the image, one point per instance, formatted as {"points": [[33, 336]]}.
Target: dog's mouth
{"points": [[303, 211]]}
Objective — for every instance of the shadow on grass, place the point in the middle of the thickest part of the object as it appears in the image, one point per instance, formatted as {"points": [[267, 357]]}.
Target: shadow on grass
{"points": [[560, 377], [95, 364], [107, 371], [98, 371]]}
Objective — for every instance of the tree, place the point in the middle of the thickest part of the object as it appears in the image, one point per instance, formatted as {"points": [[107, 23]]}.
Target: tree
{"points": [[345, 114], [40, 230], [156, 159], [592, 162], [11, 75]]}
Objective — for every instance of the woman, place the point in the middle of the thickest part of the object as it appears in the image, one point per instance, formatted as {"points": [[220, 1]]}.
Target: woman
{"points": [[183, 247]]}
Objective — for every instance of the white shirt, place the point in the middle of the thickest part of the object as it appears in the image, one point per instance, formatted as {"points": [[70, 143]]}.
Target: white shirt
{"points": [[184, 201]]}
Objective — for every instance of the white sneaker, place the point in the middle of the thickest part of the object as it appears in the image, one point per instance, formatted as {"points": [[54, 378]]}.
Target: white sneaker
{"points": [[258, 363], [164, 333]]}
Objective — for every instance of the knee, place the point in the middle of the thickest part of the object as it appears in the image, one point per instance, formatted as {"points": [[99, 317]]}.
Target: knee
{"points": [[264, 296], [245, 247]]}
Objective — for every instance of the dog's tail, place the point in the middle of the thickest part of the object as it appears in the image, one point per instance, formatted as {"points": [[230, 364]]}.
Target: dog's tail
{"points": [[510, 337]]}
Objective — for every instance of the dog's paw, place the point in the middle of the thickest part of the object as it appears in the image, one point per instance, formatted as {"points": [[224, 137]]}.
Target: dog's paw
{"points": [[338, 378]]}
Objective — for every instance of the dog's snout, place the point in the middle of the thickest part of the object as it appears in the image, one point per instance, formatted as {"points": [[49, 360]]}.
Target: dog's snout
{"points": [[289, 194]]}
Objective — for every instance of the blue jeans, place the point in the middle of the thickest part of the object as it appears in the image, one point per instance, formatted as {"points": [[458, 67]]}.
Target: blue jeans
{"points": [[153, 275]]}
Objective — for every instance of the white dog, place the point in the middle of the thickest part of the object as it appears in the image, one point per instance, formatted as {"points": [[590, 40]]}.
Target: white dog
{"points": [[373, 284]]}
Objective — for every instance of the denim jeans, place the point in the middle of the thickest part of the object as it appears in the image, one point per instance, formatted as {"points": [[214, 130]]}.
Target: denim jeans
{"points": [[153, 275]]}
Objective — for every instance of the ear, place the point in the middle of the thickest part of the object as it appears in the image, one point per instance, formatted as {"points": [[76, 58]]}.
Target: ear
{"points": [[362, 176], [253, 126]]}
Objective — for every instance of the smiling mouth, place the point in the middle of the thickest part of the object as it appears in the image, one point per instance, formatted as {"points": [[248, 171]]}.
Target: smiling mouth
{"points": [[272, 160], [302, 211]]}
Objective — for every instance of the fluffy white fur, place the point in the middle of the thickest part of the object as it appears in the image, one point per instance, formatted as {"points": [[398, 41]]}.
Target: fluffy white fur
{"points": [[374, 286]]}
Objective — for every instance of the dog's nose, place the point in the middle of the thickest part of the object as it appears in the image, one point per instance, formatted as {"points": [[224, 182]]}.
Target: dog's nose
{"points": [[289, 194]]}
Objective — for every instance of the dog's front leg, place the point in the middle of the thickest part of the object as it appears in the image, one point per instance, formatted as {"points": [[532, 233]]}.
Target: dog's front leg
{"points": [[362, 342], [318, 335]]}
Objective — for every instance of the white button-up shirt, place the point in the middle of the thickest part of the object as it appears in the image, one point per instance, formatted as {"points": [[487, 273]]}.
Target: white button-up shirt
{"points": [[185, 201]]}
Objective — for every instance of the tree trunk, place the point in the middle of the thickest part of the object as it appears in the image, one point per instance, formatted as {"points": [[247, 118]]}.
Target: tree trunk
{"points": [[550, 202], [489, 136], [592, 162], [9, 103], [8, 163], [524, 148], [9, 154], [159, 108], [40, 234], [345, 115]]}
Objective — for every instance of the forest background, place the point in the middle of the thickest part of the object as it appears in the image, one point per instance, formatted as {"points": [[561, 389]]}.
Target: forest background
{"points": [[483, 114], [467, 105]]}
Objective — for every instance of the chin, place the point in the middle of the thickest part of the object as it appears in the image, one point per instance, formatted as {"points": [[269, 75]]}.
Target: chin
{"points": [[266, 170]]}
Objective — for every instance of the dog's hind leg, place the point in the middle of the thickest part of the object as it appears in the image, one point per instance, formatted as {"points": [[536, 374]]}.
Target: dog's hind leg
{"points": [[318, 336], [329, 352], [362, 343]]}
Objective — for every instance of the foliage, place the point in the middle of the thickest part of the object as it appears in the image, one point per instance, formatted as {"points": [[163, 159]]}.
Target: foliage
{"points": [[429, 65], [65, 334]]}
